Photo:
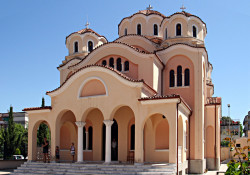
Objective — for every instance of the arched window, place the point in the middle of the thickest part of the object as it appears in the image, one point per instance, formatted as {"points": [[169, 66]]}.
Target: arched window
{"points": [[187, 77], [178, 30], [76, 47], [119, 64], [126, 67], [104, 62], [132, 138], [194, 32], [125, 31], [111, 62], [179, 76], [171, 78], [90, 138], [155, 29], [166, 33], [138, 29], [90, 46]]}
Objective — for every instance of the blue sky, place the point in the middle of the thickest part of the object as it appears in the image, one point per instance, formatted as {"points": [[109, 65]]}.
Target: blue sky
{"points": [[33, 43]]}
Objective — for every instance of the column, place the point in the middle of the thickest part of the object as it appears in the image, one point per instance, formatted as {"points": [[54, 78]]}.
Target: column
{"points": [[80, 126], [183, 81], [87, 140], [175, 80], [108, 124]]}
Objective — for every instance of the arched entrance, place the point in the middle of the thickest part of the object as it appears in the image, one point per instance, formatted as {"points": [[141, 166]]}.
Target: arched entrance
{"points": [[43, 141], [156, 139], [114, 141]]}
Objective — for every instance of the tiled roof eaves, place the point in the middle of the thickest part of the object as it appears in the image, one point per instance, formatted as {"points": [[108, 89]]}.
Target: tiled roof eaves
{"points": [[96, 65], [63, 64], [89, 31], [134, 35], [166, 97], [37, 108], [107, 44]]}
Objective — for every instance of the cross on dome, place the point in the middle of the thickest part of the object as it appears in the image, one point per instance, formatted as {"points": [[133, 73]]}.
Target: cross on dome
{"points": [[87, 24], [149, 7], [183, 8]]}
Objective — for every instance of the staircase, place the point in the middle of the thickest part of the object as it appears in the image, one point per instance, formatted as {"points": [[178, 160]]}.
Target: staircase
{"points": [[33, 168]]}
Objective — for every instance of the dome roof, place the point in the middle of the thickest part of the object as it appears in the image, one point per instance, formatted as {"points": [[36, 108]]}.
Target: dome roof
{"points": [[86, 30]]}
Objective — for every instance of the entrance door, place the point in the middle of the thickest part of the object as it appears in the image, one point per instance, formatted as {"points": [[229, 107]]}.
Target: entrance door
{"points": [[114, 141]]}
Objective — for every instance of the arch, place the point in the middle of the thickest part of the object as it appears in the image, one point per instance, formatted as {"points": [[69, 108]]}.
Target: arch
{"points": [[179, 76], [90, 132], [132, 137], [166, 33], [93, 86], [75, 46], [90, 46], [119, 64], [171, 78], [111, 62], [155, 29], [126, 66], [178, 29], [187, 77], [104, 62], [125, 31], [138, 29], [194, 32]]}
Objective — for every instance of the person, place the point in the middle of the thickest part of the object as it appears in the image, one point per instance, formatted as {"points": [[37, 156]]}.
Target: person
{"points": [[72, 151], [57, 154], [114, 147], [45, 146]]}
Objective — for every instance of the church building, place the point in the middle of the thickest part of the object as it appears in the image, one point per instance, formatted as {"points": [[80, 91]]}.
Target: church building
{"points": [[145, 97]]}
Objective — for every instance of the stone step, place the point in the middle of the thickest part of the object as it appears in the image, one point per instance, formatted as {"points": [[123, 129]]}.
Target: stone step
{"points": [[90, 168]]}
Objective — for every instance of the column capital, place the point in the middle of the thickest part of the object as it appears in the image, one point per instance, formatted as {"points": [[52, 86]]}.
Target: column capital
{"points": [[108, 122], [80, 124]]}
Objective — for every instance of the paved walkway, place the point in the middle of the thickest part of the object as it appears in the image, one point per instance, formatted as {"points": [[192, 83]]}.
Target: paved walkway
{"points": [[223, 168], [7, 171]]}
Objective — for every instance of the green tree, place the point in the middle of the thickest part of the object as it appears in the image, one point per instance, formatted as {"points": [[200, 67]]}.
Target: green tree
{"points": [[1, 142], [43, 102], [43, 131], [11, 139], [241, 130], [23, 135]]}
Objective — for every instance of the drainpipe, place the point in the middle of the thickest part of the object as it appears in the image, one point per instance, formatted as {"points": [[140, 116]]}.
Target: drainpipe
{"points": [[177, 106]]}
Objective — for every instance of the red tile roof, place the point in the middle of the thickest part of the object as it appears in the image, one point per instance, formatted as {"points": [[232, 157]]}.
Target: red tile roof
{"points": [[86, 31], [107, 67], [37, 108]]}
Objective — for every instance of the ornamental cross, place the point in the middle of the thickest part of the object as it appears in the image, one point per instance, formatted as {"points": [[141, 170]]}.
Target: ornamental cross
{"points": [[87, 25], [149, 7], [183, 8]]}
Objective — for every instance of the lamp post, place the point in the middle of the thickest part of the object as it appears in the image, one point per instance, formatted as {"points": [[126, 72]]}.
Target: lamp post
{"points": [[229, 133]]}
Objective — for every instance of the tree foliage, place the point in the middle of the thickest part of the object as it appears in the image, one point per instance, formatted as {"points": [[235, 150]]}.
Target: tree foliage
{"points": [[13, 137], [43, 131], [43, 102]]}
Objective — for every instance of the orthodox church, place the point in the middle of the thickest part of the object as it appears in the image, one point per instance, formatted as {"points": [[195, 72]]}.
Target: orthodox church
{"points": [[145, 97]]}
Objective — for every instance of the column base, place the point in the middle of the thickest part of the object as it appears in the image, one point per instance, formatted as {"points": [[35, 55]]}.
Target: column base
{"points": [[138, 163], [106, 163], [197, 166], [80, 162], [213, 163]]}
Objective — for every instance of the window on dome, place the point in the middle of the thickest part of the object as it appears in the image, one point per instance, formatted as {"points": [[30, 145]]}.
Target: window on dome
{"points": [[187, 77], [171, 78], [76, 47], [126, 67], [90, 46], [111, 62], [155, 29], [166, 33], [194, 32], [138, 29], [178, 30], [104, 62], [119, 64], [179, 76], [125, 31]]}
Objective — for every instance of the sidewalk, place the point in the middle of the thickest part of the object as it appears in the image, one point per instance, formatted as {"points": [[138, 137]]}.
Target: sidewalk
{"points": [[223, 168], [7, 171]]}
